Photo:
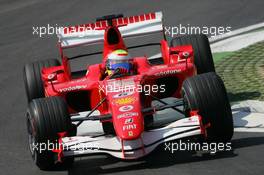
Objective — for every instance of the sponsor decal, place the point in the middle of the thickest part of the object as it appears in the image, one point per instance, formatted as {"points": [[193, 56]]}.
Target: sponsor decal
{"points": [[125, 101], [129, 127], [128, 114], [123, 94], [128, 120], [167, 72], [130, 133], [72, 88], [159, 67], [186, 54], [51, 76], [126, 108]]}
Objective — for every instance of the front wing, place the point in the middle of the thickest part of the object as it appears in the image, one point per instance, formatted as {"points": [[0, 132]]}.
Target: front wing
{"points": [[131, 149]]}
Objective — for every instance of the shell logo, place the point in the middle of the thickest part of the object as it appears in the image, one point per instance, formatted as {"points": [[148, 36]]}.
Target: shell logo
{"points": [[124, 101]]}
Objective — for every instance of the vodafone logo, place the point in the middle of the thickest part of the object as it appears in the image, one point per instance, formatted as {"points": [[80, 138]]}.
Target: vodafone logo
{"points": [[168, 72], [126, 108]]}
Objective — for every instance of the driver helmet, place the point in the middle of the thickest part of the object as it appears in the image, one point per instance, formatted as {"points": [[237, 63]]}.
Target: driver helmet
{"points": [[118, 59]]}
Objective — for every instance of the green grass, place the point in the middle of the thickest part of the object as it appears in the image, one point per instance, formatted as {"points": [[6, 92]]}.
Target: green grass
{"points": [[221, 55], [242, 72]]}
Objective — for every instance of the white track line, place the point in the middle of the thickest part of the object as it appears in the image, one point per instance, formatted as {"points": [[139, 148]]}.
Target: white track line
{"points": [[248, 122], [237, 32], [237, 42]]}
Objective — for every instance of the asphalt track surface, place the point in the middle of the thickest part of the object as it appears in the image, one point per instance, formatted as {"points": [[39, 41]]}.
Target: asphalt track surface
{"points": [[18, 46]]}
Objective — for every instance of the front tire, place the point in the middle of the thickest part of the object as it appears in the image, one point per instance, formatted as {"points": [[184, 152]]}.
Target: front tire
{"points": [[46, 117], [207, 94]]}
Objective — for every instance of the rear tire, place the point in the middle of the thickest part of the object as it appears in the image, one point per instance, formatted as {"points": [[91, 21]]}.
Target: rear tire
{"points": [[46, 117], [203, 58], [33, 80], [207, 94]]}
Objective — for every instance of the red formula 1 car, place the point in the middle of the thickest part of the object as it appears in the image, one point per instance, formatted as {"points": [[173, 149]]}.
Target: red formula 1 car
{"points": [[62, 105]]}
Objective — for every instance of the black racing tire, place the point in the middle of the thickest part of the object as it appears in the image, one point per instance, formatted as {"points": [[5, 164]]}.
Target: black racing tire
{"points": [[203, 58], [46, 117], [207, 94], [33, 80]]}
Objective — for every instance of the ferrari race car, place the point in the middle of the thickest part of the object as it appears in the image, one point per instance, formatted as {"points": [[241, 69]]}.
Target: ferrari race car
{"points": [[62, 103]]}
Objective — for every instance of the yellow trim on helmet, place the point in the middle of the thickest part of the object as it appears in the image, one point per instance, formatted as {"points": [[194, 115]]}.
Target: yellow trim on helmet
{"points": [[120, 51]]}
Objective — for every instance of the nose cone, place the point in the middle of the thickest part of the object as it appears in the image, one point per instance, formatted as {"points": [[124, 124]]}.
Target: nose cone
{"points": [[126, 112]]}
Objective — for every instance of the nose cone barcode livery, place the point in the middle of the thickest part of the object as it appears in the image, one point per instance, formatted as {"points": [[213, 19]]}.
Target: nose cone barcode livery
{"points": [[123, 93]]}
